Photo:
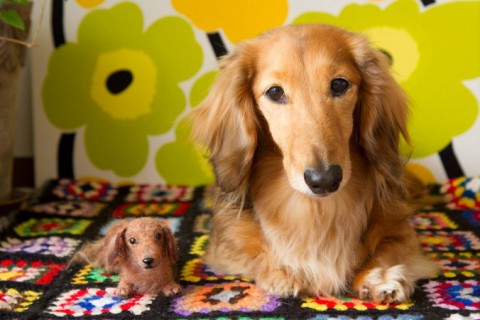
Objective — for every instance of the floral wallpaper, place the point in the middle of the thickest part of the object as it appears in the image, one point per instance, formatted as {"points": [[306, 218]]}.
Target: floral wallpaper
{"points": [[114, 90]]}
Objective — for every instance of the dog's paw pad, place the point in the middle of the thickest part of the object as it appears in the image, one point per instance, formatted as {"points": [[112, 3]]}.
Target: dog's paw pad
{"points": [[388, 296]]}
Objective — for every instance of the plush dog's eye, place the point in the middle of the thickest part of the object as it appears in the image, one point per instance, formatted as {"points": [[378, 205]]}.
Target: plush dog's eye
{"points": [[276, 94], [132, 240], [339, 86]]}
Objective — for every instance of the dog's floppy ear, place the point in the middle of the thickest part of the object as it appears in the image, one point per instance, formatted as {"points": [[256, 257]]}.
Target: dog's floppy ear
{"points": [[381, 114], [117, 251], [226, 120]]}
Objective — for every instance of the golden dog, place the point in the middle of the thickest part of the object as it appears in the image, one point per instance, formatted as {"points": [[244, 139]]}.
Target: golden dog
{"points": [[303, 126]]}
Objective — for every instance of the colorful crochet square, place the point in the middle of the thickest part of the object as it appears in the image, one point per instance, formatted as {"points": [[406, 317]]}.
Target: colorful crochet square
{"points": [[199, 245], [160, 193], [93, 301], [454, 295], [51, 226], [89, 274], [35, 272], [84, 190], [227, 297], [345, 303], [248, 318], [18, 301], [465, 264], [385, 317], [130, 209], [432, 221], [448, 241], [473, 217], [83, 209], [207, 199], [195, 270], [471, 316], [463, 193], [203, 223], [56, 246]]}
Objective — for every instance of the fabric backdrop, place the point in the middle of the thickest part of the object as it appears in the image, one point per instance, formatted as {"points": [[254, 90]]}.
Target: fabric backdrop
{"points": [[113, 80]]}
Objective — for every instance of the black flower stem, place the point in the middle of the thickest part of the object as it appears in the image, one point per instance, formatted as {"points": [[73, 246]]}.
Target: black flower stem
{"points": [[217, 44], [65, 156], [57, 23], [66, 143], [450, 163]]}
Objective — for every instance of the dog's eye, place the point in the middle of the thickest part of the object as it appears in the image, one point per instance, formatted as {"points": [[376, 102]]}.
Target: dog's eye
{"points": [[339, 86], [132, 240], [276, 94]]}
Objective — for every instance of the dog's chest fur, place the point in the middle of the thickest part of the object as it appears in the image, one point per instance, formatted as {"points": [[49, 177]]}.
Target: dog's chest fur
{"points": [[326, 246]]}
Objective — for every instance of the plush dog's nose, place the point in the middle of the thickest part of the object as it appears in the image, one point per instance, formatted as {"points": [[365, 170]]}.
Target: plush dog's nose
{"points": [[148, 261], [324, 180]]}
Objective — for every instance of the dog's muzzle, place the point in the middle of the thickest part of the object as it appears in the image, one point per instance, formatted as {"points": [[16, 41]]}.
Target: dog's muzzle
{"points": [[323, 180], [147, 263]]}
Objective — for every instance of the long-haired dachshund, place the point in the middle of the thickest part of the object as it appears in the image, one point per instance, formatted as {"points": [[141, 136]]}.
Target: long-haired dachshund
{"points": [[303, 127], [142, 251]]}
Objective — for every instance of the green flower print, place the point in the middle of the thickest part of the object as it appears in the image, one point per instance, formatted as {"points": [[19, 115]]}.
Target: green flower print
{"points": [[433, 51], [181, 162], [120, 83]]}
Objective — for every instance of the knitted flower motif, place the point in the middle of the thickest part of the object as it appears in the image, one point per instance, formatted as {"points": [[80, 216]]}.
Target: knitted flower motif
{"points": [[120, 83], [238, 19], [434, 50]]}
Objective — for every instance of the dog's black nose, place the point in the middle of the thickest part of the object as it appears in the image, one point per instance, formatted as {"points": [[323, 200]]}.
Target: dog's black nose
{"points": [[324, 180], [148, 261]]}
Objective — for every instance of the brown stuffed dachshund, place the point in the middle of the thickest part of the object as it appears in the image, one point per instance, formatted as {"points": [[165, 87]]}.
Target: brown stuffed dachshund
{"points": [[143, 251]]}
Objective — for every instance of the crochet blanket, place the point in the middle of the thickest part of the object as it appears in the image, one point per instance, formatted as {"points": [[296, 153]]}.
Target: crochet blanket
{"points": [[37, 242]]}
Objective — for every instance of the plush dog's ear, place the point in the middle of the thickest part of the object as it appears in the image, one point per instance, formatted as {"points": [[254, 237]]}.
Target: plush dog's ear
{"points": [[226, 122], [381, 114], [117, 251], [169, 245]]}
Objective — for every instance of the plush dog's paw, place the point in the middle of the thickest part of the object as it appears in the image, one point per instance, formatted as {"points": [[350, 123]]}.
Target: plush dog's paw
{"points": [[125, 292], [171, 289], [384, 285], [279, 284]]}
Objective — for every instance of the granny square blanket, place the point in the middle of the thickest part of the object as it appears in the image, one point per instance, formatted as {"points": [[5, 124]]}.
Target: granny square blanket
{"points": [[37, 242]]}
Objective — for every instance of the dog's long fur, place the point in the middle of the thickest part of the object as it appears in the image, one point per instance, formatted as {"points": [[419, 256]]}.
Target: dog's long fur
{"points": [[118, 253], [268, 223]]}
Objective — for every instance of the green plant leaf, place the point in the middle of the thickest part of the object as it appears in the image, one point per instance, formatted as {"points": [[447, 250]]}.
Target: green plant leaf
{"points": [[12, 18]]}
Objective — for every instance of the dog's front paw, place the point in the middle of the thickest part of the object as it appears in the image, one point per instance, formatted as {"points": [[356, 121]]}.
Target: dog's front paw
{"points": [[279, 284], [384, 285], [171, 289]]}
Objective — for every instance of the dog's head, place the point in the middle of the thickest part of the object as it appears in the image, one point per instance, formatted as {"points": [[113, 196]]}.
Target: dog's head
{"points": [[144, 243], [320, 92]]}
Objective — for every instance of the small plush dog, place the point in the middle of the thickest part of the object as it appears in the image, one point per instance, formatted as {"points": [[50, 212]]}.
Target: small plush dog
{"points": [[143, 251]]}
